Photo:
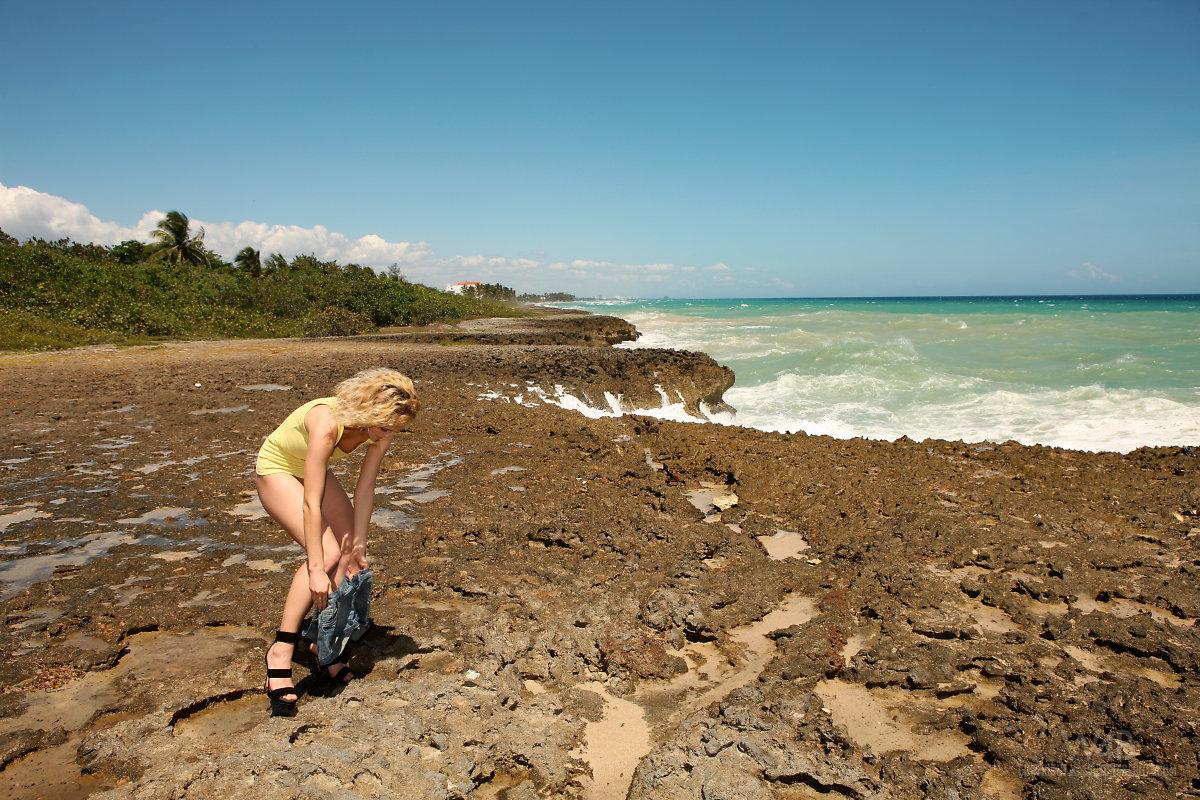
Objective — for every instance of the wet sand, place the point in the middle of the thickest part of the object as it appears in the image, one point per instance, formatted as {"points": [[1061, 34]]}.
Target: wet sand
{"points": [[573, 607]]}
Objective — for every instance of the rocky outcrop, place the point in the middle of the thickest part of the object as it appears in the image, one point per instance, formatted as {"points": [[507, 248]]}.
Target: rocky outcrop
{"points": [[971, 621], [630, 379], [561, 327]]}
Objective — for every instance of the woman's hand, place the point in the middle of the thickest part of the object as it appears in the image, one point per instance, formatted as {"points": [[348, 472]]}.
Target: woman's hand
{"points": [[318, 584], [353, 562]]}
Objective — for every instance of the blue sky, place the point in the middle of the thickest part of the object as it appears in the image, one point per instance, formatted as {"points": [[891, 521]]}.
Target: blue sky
{"points": [[683, 149]]}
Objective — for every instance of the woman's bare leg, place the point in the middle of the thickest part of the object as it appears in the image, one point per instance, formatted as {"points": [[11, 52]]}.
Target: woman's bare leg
{"points": [[282, 497]]}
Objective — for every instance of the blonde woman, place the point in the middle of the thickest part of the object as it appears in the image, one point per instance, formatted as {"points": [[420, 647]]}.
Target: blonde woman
{"points": [[300, 492]]}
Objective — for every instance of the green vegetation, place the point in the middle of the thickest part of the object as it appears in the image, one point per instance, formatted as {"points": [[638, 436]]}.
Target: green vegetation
{"points": [[548, 297], [503, 294], [249, 261], [491, 291], [62, 294], [174, 243]]}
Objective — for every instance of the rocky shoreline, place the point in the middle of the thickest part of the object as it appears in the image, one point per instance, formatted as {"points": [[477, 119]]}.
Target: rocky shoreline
{"points": [[588, 608]]}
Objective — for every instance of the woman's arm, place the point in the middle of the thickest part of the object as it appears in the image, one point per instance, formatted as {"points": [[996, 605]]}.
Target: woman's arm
{"points": [[322, 438], [364, 503]]}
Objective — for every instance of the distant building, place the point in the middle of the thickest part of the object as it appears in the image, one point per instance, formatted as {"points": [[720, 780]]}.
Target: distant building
{"points": [[462, 286]]}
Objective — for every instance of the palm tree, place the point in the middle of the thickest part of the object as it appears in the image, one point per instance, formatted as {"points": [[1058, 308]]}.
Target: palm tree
{"points": [[275, 263], [173, 241], [249, 260]]}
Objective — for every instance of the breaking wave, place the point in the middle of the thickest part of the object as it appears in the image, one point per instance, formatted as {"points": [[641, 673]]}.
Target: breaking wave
{"points": [[1102, 374]]}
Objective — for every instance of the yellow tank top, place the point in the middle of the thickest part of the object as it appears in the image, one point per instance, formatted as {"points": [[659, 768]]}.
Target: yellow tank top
{"points": [[285, 448]]}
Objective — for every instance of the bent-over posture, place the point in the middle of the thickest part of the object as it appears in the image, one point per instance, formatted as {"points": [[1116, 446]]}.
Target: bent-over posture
{"points": [[300, 492]]}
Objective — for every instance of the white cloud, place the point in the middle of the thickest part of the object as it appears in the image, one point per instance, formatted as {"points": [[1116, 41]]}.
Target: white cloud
{"points": [[25, 212], [227, 238], [1089, 271], [490, 263]]}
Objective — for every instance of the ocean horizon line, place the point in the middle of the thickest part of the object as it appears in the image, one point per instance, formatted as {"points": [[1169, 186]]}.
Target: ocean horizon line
{"points": [[1117, 296]]}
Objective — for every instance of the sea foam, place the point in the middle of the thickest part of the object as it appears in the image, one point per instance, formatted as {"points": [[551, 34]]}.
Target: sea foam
{"points": [[1101, 374]]}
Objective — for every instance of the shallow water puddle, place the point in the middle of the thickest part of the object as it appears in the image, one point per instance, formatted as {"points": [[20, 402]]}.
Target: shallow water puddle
{"points": [[51, 772], [35, 617], [506, 470], [783, 545], [615, 744], [127, 590], [419, 477], [987, 618], [83, 469], [150, 469], [715, 671], [19, 574], [176, 555], [121, 410], [875, 721], [1123, 608], [857, 643], [1167, 680], [21, 515], [416, 487], [170, 517], [152, 658], [114, 443], [227, 410], [985, 690], [619, 741], [265, 387], [711, 498], [251, 509], [220, 723], [205, 598], [261, 565], [391, 519], [1094, 662], [1041, 609], [428, 496]]}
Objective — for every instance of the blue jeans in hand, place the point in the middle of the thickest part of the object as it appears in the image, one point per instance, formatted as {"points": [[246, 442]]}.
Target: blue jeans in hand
{"points": [[346, 618]]}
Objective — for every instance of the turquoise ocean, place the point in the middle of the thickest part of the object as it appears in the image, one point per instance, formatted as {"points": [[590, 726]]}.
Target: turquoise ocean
{"points": [[1108, 373]]}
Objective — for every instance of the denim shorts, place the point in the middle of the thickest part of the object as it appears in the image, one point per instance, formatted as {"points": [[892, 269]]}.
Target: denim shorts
{"points": [[346, 618]]}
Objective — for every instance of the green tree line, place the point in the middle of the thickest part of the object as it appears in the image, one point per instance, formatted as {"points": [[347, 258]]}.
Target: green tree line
{"points": [[491, 291], [546, 297], [63, 293]]}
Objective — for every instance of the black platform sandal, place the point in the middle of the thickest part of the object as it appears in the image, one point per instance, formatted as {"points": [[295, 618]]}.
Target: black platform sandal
{"points": [[321, 674], [279, 706]]}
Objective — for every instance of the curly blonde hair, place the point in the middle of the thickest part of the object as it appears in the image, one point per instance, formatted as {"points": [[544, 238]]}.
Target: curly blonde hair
{"points": [[376, 397]]}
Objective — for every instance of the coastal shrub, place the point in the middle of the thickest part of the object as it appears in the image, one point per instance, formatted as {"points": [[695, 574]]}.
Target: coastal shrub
{"points": [[57, 294], [335, 321], [22, 330]]}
